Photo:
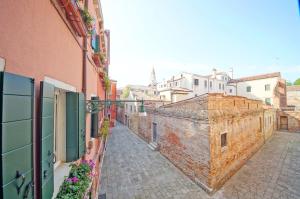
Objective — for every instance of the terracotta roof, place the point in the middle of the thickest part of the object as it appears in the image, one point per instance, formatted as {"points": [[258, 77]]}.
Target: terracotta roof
{"points": [[293, 88], [256, 77]]}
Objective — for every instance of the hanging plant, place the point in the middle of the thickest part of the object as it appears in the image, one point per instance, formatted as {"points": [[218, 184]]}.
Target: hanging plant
{"points": [[106, 82], [102, 57], [88, 20], [105, 128]]}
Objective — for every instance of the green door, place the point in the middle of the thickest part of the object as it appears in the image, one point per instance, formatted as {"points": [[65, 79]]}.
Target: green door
{"points": [[75, 103], [46, 130], [17, 97]]}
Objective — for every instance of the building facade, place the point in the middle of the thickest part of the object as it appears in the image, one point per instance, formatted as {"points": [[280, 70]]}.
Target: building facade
{"points": [[269, 88], [293, 96], [194, 85], [208, 137], [55, 55]]}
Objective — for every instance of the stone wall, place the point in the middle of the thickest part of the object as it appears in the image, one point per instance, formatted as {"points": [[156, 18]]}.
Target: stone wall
{"points": [[240, 121]]}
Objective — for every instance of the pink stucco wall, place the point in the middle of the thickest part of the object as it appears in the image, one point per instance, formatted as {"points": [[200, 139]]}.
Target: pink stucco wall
{"points": [[36, 42]]}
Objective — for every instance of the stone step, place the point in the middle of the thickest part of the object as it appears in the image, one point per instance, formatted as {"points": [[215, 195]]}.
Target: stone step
{"points": [[153, 146]]}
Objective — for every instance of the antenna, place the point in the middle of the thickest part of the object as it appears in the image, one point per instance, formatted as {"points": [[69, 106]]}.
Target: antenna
{"points": [[231, 70]]}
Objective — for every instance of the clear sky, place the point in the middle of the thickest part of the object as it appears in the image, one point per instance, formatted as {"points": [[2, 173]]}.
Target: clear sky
{"points": [[252, 36]]}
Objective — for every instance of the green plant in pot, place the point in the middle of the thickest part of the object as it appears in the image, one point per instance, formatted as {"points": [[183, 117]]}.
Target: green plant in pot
{"points": [[106, 82], [105, 128], [88, 19]]}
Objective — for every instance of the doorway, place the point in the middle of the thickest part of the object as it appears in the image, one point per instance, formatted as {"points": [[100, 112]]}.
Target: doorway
{"points": [[154, 132], [283, 122]]}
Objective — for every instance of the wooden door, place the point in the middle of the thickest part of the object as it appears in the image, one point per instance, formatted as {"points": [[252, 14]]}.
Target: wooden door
{"points": [[283, 122]]}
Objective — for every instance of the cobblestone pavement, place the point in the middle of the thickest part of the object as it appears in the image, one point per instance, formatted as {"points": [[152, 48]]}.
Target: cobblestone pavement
{"points": [[273, 172], [132, 171]]}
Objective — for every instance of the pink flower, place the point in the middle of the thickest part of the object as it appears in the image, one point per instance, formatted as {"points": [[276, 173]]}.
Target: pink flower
{"points": [[75, 179]]}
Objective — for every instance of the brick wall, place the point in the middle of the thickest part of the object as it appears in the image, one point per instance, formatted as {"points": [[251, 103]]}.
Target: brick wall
{"points": [[240, 120], [189, 135]]}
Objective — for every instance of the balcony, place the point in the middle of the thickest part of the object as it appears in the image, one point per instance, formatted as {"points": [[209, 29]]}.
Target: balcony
{"points": [[73, 15]]}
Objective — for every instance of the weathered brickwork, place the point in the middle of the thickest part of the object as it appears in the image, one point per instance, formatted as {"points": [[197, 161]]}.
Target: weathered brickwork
{"points": [[190, 131], [242, 122], [270, 124]]}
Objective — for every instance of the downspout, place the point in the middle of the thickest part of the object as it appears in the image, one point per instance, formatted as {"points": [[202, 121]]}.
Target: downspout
{"points": [[84, 57]]}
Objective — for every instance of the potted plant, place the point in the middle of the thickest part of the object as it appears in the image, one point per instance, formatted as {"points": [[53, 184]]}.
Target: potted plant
{"points": [[88, 19], [105, 128], [106, 82]]}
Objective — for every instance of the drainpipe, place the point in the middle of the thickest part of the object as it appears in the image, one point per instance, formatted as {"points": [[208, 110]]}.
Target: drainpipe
{"points": [[84, 57]]}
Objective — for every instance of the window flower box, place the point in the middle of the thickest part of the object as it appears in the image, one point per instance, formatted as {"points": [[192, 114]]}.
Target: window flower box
{"points": [[73, 14], [78, 184]]}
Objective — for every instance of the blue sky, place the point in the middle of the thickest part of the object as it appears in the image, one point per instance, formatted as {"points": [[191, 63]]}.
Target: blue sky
{"points": [[252, 36]]}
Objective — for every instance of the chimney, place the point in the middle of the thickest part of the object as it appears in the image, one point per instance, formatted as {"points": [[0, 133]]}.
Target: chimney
{"points": [[214, 73]]}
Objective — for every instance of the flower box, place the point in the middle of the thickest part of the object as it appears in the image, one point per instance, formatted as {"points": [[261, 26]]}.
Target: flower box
{"points": [[78, 183]]}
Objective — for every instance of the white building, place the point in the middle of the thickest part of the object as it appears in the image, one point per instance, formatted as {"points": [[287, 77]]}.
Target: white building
{"points": [[269, 88], [134, 94], [293, 96], [187, 85]]}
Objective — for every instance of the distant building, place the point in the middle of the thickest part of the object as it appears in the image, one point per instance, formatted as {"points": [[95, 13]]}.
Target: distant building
{"points": [[270, 88], [293, 96], [153, 81], [136, 93], [191, 85]]}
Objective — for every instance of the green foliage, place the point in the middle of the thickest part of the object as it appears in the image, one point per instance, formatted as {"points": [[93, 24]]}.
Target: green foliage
{"points": [[105, 128], [76, 184], [297, 82], [106, 82], [88, 19], [125, 92]]}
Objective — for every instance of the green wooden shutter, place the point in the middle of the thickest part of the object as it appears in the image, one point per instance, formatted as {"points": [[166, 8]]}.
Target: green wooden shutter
{"points": [[75, 103], [97, 49], [94, 121], [16, 161], [47, 131], [81, 122]]}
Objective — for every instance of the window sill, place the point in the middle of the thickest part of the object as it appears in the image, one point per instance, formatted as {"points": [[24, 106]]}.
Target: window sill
{"points": [[60, 172]]}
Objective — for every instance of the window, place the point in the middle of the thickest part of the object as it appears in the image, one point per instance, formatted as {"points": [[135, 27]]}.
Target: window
{"points": [[230, 90], [210, 84], [220, 86], [268, 101], [248, 89], [176, 83], [223, 87], [223, 139], [196, 82], [205, 83], [267, 87], [130, 108], [260, 124]]}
